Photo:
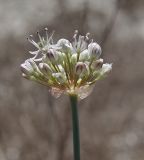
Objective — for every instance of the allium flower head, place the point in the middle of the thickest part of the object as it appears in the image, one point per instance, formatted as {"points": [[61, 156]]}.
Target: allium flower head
{"points": [[66, 67]]}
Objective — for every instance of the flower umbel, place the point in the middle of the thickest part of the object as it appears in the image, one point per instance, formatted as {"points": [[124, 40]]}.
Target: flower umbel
{"points": [[66, 67]]}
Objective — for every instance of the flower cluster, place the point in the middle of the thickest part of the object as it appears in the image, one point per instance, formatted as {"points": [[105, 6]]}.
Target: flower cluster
{"points": [[66, 67]]}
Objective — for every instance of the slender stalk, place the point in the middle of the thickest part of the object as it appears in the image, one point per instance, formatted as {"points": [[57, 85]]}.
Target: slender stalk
{"points": [[75, 123]]}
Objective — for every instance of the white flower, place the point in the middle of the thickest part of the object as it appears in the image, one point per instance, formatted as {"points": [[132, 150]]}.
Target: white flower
{"points": [[80, 43], [42, 46], [66, 67], [64, 45]]}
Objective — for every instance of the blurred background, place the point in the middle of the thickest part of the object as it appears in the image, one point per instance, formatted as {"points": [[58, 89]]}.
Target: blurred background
{"points": [[36, 126]]}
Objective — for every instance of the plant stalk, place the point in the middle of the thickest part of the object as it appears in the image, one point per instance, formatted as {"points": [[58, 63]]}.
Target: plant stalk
{"points": [[75, 124]]}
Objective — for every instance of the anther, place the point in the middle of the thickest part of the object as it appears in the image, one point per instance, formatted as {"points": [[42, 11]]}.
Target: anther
{"points": [[46, 29]]}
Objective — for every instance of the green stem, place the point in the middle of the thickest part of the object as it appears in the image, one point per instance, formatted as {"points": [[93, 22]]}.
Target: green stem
{"points": [[75, 123]]}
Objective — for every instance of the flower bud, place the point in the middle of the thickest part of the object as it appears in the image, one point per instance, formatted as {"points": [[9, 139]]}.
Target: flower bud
{"points": [[106, 68], [52, 55], [61, 57], [33, 64], [80, 68], [24, 75], [29, 77], [59, 77], [97, 64], [45, 68], [26, 68], [74, 58], [84, 55], [94, 50], [64, 44]]}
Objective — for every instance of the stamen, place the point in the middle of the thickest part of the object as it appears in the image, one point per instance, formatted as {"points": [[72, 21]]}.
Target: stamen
{"points": [[33, 52], [75, 41], [46, 31], [87, 39], [38, 60], [88, 34], [75, 37], [32, 41], [80, 41], [82, 38], [40, 38], [83, 45], [31, 36], [50, 40], [79, 38], [76, 32]]}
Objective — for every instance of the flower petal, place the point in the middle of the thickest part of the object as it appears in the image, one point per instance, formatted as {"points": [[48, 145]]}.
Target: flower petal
{"points": [[84, 91]]}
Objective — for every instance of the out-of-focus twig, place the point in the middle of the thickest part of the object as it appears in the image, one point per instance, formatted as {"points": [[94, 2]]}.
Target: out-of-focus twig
{"points": [[108, 29], [62, 7], [84, 16]]}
